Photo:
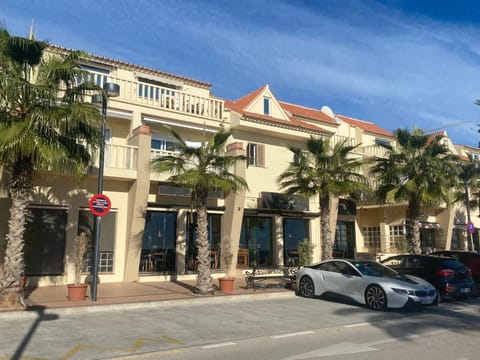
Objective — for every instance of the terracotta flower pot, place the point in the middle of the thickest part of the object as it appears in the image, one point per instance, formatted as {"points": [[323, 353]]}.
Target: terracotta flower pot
{"points": [[226, 285], [77, 292]]}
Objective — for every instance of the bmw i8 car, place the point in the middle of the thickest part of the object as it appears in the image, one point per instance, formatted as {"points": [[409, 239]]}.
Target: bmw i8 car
{"points": [[366, 282]]}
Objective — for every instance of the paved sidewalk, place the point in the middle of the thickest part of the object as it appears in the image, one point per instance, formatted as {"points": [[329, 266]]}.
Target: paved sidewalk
{"points": [[111, 296]]}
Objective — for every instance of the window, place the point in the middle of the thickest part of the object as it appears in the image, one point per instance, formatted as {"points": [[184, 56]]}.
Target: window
{"points": [[96, 75], [371, 237], [427, 240], [382, 142], [294, 231], [344, 242], [164, 144], [397, 240], [256, 236], [266, 106], [159, 242], [214, 236], [256, 154], [45, 241], [107, 239]]}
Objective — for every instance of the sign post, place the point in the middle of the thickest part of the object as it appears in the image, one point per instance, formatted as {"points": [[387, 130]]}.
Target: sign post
{"points": [[99, 205]]}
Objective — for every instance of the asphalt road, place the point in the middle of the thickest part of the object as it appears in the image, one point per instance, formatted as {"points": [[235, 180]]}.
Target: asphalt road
{"points": [[287, 328]]}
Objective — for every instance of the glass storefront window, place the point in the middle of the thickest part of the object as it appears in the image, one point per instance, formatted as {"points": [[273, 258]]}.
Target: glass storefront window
{"points": [[106, 242], [344, 243], [459, 239], [159, 242], [44, 249], [294, 231], [427, 240], [214, 236], [256, 236]]}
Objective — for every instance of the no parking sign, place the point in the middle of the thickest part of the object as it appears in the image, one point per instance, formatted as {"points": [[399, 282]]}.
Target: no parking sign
{"points": [[100, 205], [470, 227]]}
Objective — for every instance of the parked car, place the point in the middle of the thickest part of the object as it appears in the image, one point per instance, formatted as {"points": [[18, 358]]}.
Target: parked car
{"points": [[366, 282], [452, 279], [468, 258]]}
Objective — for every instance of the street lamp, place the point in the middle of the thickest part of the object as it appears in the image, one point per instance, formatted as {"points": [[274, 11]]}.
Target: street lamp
{"points": [[109, 90]]}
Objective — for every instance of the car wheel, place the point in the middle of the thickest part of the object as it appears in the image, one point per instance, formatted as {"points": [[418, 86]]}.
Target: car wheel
{"points": [[375, 298], [306, 287]]}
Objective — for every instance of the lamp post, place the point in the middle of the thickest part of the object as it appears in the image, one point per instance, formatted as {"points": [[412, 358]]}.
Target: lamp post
{"points": [[109, 90]]}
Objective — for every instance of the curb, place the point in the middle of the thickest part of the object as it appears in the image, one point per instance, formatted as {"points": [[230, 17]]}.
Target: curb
{"points": [[38, 311]]}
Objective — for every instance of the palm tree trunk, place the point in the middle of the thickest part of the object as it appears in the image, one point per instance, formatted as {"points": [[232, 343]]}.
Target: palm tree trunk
{"points": [[413, 229], [204, 278], [13, 265], [327, 243]]}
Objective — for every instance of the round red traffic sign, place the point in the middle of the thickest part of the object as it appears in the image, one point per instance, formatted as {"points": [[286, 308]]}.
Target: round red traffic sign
{"points": [[470, 227], [100, 204]]}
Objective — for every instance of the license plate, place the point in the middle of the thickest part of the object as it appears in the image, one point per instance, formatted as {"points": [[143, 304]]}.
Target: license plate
{"points": [[465, 290]]}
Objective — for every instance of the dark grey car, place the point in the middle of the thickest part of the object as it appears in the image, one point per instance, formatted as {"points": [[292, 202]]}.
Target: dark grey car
{"points": [[452, 279]]}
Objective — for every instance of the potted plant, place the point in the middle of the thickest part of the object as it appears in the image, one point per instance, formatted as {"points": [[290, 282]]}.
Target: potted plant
{"points": [[226, 283], [78, 291]]}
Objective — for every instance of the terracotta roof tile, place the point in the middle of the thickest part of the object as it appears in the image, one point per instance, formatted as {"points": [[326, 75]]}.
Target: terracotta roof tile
{"points": [[365, 125], [199, 83], [247, 99], [291, 122], [309, 113]]}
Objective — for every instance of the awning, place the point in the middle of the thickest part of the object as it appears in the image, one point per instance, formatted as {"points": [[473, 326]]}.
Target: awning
{"points": [[159, 80]]}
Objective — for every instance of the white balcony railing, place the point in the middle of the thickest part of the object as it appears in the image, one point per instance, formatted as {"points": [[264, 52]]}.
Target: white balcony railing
{"points": [[165, 98], [373, 151], [120, 157], [154, 153], [335, 139]]}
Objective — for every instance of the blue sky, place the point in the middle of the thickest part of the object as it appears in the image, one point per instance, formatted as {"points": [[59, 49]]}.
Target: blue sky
{"points": [[397, 63]]}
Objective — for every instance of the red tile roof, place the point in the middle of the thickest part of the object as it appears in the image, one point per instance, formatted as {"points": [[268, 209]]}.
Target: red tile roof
{"points": [[240, 105], [202, 84], [247, 99], [365, 125], [309, 113]]}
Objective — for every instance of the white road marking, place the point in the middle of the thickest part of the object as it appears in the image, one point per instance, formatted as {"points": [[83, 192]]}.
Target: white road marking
{"points": [[292, 334], [213, 346], [356, 325], [332, 350]]}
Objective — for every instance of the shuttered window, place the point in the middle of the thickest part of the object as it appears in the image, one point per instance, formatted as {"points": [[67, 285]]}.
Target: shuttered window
{"points": [[256, 155]]}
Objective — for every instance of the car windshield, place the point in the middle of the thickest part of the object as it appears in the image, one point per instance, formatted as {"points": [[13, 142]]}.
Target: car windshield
{"points": [[370, 268]]}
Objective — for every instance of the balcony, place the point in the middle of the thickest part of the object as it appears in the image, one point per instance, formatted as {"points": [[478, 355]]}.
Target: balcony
{"points": [[120, 161], [159, 97], [374, 151]]}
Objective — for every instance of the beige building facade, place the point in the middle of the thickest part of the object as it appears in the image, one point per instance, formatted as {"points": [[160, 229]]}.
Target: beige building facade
{"points": [[149, 234]]}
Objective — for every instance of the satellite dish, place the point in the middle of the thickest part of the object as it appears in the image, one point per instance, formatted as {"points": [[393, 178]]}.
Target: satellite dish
{"points": [[326, 110]]}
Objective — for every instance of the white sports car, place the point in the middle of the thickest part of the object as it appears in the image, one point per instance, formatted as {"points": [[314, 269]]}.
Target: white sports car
{"points": [[366, 282]]}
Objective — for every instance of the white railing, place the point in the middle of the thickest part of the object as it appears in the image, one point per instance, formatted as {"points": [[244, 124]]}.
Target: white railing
{"points": [[154, 153], [335, 139], [120, 157], [373, 151], [165, 98]]}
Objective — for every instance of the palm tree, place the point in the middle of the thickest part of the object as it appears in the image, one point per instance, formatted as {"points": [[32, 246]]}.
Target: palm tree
{"points": [[45, 125], [420, 170], [201, 170], [324, 171]]}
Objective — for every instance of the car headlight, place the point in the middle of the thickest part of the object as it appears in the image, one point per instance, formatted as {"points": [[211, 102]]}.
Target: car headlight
{"points": [[404, 291]]}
